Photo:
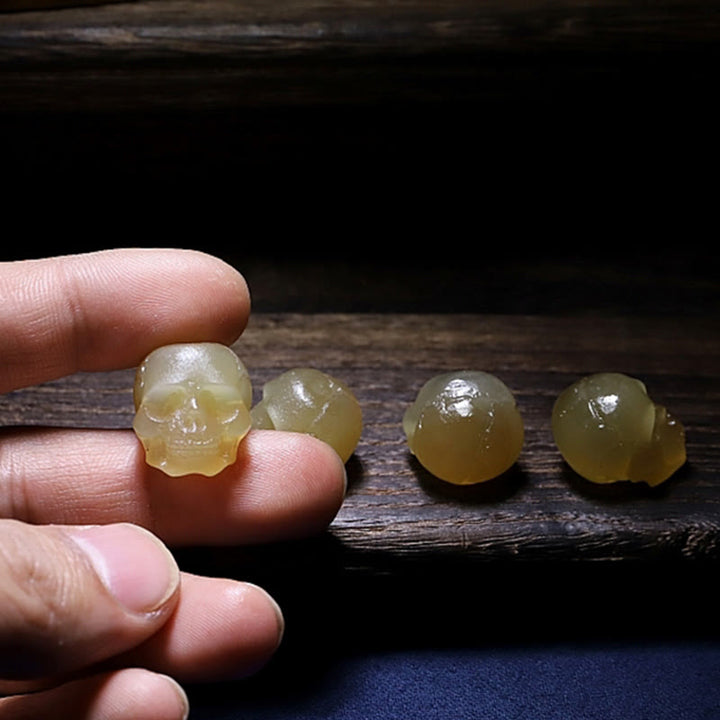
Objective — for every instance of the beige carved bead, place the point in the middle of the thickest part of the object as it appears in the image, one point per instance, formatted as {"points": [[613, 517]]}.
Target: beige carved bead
{"points": [[192, 407], [608, 429], [310, 401]]}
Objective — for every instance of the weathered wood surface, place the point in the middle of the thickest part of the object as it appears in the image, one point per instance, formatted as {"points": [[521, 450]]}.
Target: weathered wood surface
{"points": [[155, 28], [197, 53], [396, 512]]}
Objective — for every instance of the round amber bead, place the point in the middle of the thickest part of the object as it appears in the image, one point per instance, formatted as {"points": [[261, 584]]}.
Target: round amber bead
{"points": [[464, 427]]}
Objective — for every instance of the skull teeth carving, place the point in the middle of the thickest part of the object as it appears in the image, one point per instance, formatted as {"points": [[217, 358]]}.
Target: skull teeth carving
{"points": [[192, 407]]}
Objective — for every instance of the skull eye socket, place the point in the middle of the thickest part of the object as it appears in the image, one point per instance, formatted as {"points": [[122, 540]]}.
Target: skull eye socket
{"points": [[159, 406], [221, 402]]}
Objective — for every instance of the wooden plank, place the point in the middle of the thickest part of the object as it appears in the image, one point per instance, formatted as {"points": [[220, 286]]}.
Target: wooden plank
{"points": [[28, 5], [396, 512], [160, 93], [226, 28], [219, 53]]}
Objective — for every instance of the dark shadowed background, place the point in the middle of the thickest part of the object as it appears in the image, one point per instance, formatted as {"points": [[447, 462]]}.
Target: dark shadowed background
{"points": [[541, 159]]}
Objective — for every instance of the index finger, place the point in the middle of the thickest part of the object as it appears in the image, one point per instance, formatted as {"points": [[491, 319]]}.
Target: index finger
{"points": [[106, 310]]}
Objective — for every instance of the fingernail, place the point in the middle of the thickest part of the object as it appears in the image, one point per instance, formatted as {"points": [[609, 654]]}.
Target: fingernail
{"points": [[135, 567], [181, 694], [280, 618], [345, 480]]}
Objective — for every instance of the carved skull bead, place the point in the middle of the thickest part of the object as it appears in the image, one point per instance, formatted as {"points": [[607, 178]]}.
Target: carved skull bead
{"points": [[608, 429], [310, 401], [192, 405]]}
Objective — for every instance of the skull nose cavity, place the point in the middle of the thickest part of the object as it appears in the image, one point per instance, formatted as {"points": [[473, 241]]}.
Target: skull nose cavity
{"points": [[192, 423], [193, 420]]}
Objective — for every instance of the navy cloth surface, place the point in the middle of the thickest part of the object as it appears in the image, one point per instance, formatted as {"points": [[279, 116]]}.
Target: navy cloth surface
{"points": [[521, 641], [655, 681]]}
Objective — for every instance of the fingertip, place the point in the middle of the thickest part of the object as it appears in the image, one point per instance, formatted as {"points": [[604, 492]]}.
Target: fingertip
{"points": [[219, 291], [222, 629], [129, 693], [142, 694], [331, 476], [76, 596], [107, 309], [234, 285], [260, 627], [303, 483], [267, 602], [167, 693], [137, 569]]}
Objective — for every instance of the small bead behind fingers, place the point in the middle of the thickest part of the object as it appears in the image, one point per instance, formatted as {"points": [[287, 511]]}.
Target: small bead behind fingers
{"points": [[311, 401]]}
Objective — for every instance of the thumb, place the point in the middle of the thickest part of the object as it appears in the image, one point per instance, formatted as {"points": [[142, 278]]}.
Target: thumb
{"points": [[71, 596]]}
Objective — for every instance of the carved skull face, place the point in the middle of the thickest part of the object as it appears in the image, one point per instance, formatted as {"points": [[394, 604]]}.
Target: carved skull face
{"points": [[192, 407]]}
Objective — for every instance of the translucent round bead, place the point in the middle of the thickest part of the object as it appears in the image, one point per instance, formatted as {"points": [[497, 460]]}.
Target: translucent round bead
{"points": [[464, 427], [608, 429], [309, 401], [192, 404]]}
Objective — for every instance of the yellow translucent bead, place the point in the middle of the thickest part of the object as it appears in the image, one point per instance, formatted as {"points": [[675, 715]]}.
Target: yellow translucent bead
{"points": [[608, 429], [310, 401], [464, 427], [192, 404]]}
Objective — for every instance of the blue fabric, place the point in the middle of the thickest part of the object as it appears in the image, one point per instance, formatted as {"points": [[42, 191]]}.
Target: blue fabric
{"points": [[666, 681]]}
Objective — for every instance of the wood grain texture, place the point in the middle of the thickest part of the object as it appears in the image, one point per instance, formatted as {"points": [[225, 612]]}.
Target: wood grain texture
{"points": [[350, 103], [396, 512], [224, 27], [187, 53]]}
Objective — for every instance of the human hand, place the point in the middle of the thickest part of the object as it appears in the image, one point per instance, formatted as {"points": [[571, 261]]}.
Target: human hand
{"points": [[95, 615]]}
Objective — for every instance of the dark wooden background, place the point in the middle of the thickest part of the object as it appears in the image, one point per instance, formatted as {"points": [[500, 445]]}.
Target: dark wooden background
{"points": [[361, 126], [409, 187]]}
